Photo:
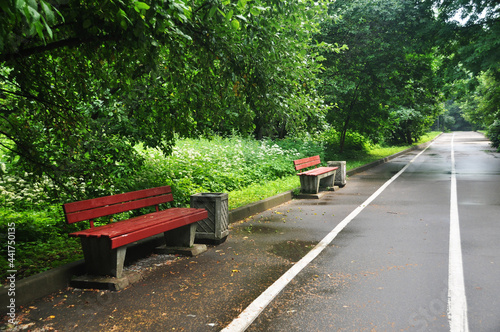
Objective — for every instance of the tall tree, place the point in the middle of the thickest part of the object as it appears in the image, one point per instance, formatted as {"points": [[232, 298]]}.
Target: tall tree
{"points": [[469, 35], [386, 63]]}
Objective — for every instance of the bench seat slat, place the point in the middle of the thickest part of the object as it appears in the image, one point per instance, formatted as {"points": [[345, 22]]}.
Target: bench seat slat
{"points": [[157, 229], [115, 199], [318, 171], [116, 208], [130, 225]]}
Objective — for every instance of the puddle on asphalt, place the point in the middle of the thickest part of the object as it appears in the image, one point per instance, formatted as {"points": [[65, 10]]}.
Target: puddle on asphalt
{"points": [[292, 250], [256, 229], [317, 203], [278, 217]]}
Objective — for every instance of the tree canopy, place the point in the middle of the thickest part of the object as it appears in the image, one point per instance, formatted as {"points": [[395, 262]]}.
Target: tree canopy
{"points": [[473, 27], [383, 81], [470, 44], [83, 82]]}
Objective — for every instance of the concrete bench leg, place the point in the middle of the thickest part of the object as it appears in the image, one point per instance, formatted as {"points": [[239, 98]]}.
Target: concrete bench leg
{"points": [[327, 182], [100, 259], [309, 184], [181, 237]]}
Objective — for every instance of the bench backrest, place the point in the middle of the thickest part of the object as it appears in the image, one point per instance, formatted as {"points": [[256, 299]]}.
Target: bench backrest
{"points": [[104, 206], [306, 162]]}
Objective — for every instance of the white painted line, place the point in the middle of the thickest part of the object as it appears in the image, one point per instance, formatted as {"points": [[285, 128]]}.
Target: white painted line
{"points": [[457, 302], [247, 316]]}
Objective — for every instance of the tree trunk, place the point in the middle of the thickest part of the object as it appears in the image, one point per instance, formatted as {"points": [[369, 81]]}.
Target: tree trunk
{"points": [[346, 122], [344, 132]]}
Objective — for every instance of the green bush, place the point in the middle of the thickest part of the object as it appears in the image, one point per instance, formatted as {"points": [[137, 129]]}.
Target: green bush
{"points": [[355, 145], [219, 164], [32, 225], [41, 241], [37, 256], [494, 134]]}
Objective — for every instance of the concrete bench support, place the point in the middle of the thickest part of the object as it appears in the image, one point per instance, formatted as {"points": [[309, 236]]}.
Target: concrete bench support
{"points": [[100, 259], [311, 184]]}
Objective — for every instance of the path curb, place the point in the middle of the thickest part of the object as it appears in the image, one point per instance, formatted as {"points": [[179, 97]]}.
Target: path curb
{"points": [[53, 280]]}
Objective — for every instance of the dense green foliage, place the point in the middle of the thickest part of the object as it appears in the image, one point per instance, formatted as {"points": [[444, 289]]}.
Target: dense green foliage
{"points": [[382, 84], [93, 79], [481, 106], [81, 84], [470, 34], [469, 42]]}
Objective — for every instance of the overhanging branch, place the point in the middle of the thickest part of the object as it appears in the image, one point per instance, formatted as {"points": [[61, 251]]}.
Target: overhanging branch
{"points": [[70, 42]]}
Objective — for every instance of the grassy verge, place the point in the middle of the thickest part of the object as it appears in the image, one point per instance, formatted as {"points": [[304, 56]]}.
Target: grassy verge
{"points": [[259, 191]]}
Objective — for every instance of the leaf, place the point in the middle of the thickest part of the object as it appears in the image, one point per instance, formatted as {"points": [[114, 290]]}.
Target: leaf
{"points": [[39, 29], [33, 4], [242, 4], [20, 4], [49, 14], [211, 13], [229, 15], [141, 6], [254, 11], [243, 18], [235, 24], [49, 30], [221, 12]]}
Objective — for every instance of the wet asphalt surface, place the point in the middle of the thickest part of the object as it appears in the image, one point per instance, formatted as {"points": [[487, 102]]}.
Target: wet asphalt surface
{"points": [[386, 271]]}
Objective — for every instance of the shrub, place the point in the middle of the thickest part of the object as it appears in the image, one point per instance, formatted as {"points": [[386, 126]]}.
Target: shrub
{"points": [[218, 165], [41, 239], [494, 134], [32, 225], [355, 145]]}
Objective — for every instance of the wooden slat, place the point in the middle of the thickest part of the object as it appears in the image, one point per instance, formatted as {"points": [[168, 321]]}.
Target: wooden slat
{"points": [[124, 226], [116, 208], [114, 199], [138, 228], [306, 162], [157, 229], [318, 171]]}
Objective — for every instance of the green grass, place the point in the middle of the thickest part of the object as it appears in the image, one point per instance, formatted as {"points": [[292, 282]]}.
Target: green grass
{"points": [[260, 191]]}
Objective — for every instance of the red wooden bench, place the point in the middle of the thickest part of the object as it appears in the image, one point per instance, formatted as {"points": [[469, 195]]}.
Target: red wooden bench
{"points": [[311, 180], [104, 247]]}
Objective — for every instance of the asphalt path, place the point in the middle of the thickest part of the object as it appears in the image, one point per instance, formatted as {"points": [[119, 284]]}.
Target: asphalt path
{"points": [[391, 267], [409, 245]]}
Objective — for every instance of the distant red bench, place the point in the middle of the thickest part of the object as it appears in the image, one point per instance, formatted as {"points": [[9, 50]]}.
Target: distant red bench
{"points": [[310, 180], [104, 247]]}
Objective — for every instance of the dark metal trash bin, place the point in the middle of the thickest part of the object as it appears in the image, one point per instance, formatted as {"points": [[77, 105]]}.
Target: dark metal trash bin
{"points": [[215, 228]]}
